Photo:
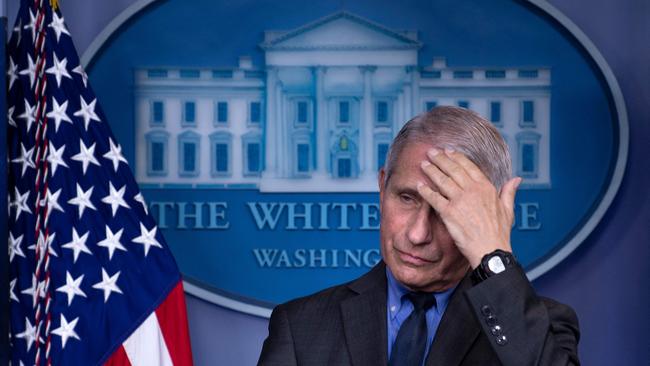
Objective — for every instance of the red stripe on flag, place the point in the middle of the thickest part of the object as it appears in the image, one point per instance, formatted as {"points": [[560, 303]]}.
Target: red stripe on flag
{"points": [[119, 358], [172, 319]]}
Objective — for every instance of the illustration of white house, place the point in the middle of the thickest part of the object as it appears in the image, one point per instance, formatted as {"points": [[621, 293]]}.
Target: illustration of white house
{"points": [[320, 114]]}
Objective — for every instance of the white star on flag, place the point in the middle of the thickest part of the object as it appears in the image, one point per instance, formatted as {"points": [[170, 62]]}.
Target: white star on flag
{"points": [[84, 77], [14, 247], [52, 200], [86, 155], [12, 293], [83, 199], [25, 159], [29, 334], [55, 158], [66, 330], [30, 70], [18, 29], [108, 284], [10, 116], [20, 202], [147, 238], [29, 115], [112, 242], [59, 69], [32, 25], [140, 198], [58, 26], [42, 244], [58, 112], [32, 291], [115, 154], [12, 72], [77, 245], [87, 111], [72, 287], [115, 198]]}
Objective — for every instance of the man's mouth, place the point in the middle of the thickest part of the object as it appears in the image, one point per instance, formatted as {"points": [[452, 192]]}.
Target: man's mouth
{"points": [[412, 259]]}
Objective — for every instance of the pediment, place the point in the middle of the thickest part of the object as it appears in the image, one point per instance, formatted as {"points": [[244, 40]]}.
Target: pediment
{"points": [[342, 31]]}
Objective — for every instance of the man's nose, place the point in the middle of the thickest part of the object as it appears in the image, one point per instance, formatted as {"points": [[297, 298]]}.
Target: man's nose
{"points": [[419, 230]]}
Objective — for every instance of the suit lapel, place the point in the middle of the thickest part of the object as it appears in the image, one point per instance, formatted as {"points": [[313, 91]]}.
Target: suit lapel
{"points": [[364, 319], [457, 330]]}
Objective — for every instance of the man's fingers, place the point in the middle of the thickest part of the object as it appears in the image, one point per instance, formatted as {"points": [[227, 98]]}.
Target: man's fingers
{"points": [[508, 192], [448, 166], [435, 199], [470, 168], [445, 184]]}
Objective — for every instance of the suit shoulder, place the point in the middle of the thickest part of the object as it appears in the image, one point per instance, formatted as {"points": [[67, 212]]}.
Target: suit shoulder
{"points": [[331, 297], [317, 302]]}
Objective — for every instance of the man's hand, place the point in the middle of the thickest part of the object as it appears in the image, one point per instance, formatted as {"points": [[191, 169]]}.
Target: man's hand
{"points": [[478, 218]]}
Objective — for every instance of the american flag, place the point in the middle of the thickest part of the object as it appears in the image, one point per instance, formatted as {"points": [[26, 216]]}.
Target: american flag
{"points": [[91, 278]]}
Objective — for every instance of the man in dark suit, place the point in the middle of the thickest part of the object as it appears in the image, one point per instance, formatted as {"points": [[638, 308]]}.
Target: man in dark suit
{"points": [[448, 291]]}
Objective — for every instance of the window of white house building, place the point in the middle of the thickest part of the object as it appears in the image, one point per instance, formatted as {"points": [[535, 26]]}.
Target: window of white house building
{"points": [[527, 113], [495, 113], [220, 147], [189, 113], [157, 153], [302, 112], [255, 113], [302, 157], [528, 154], [252, 145], [253, 158], [344, 167], [344, 111], [221, 112], [157, 113], [344, 157], [188, 154], [463, 104], [383, 113]]}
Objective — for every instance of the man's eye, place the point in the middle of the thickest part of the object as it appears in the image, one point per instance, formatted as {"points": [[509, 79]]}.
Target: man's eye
{"points": [[405, 198]]}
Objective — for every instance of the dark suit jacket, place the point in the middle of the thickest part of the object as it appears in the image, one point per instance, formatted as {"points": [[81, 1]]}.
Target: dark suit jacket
{"points": [[346, 325]]}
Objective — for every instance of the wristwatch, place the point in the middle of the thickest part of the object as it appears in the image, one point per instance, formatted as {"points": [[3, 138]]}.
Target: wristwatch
{"points": [[491, 264]]}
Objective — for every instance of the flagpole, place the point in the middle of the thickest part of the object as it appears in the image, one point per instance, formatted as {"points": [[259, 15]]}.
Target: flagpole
{"points": [[4, 257]]}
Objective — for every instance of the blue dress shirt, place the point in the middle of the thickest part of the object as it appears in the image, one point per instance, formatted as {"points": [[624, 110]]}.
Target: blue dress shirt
{"points": [[399, 308]]}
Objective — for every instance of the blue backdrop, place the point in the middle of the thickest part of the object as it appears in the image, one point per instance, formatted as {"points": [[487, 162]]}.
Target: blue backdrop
{"points": [[605, 279]]}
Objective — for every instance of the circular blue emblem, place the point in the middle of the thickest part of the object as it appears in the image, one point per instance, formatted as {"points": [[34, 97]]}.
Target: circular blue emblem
{"points": [[256, 129]]}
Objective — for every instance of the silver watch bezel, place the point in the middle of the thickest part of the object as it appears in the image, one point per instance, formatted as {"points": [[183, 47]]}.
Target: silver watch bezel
{"points": [[496, 265]]}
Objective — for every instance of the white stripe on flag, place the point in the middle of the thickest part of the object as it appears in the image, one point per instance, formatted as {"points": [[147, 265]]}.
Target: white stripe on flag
{"points": [[146, 346]]}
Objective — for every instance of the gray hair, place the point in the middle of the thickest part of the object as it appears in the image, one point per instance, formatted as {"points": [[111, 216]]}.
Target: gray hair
{"points": [[459, 129]]}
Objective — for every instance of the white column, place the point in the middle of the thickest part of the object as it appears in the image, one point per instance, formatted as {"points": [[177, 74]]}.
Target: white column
{"points": [[321, 122], [415, 90], [280, 130], [366, 124], [271, 153], [408, 101], [286, 147]]}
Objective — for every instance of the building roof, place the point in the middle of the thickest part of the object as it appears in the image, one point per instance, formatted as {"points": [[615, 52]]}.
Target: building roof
{"points": [[340, 31]]}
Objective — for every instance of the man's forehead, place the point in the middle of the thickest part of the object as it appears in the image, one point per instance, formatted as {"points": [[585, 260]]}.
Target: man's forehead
{"points": [[412, 155], [407, 171]]}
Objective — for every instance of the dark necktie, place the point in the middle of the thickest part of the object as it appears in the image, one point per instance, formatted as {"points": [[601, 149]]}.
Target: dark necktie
{"points": [[411, 340]]}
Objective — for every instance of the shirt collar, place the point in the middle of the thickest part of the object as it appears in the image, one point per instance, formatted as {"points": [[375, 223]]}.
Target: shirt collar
{"points": [[396, 291]]}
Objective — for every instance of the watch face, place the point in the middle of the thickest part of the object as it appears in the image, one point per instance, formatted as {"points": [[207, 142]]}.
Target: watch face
{"points": [[495, 264]]}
